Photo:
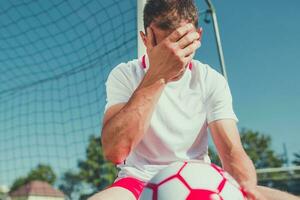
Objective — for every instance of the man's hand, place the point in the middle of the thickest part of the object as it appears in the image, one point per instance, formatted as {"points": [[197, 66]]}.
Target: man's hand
{"points": [[168, 59]]}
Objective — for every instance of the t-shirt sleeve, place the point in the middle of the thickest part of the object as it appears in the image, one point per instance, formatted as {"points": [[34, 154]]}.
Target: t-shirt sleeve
{"points": [[219, 99], [118, 86]]}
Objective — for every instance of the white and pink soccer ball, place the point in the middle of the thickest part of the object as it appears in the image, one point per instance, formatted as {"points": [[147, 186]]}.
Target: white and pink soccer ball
{"points": [[192, 181]]}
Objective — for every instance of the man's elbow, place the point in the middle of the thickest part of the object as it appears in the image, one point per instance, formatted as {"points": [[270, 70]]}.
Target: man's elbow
{"points": [[115, 153], [114, 158], [117, 149]]}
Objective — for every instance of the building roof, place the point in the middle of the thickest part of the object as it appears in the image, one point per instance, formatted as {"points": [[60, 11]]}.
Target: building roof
{"points": [[37, 188]]}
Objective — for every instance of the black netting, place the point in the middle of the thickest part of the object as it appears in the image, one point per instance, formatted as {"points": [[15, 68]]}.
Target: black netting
{"points": [[54, 60]]}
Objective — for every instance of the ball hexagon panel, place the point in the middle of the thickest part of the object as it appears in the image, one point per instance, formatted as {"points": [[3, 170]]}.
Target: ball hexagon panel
{"points": [[167, 172], [197, 176], [173, 185], [231, 192]]}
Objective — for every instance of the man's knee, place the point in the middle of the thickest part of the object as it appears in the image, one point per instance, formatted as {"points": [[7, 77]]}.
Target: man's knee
{"points": [[113, 193]]}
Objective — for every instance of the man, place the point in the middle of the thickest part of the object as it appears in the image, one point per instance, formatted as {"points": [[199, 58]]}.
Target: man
{"points": [[160, 107]]}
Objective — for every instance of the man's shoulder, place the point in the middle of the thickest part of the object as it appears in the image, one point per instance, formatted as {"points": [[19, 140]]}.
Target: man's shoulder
{"points": [[129, 68], [129, 73]]}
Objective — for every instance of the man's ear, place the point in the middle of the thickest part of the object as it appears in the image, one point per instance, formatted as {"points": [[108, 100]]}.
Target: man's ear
{"points": [[144, 38]]}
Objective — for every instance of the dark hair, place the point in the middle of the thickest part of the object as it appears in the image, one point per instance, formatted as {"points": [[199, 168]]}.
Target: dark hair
{"points": [[167, 14]]}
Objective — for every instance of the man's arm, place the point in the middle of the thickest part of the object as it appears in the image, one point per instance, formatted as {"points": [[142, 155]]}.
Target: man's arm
{"points": [[233, 157], [125, 125], [124, 128]]}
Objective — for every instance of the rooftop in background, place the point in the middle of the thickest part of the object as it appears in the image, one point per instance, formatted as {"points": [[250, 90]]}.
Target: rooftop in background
{"points": [[37, 188]]}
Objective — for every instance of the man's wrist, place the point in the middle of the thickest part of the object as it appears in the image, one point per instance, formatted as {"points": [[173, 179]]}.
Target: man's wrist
{"points": [[151, 78]]}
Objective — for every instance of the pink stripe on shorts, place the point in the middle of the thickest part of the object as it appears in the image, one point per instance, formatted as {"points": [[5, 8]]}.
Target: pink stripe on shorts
{"points": [[134, 185]]}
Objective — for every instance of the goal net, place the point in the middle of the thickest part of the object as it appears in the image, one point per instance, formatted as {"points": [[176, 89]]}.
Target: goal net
{"points": [[54, 60]]}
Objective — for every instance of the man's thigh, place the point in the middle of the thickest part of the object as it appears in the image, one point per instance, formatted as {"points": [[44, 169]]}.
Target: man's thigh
{"points": [[113, 193], [272, 194]]}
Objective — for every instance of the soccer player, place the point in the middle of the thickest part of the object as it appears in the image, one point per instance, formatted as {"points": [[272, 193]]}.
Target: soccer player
{"points": [[160, 106]]}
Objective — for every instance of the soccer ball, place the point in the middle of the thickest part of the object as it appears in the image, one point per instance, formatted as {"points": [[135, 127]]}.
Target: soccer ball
{"points": [[192, 181]]}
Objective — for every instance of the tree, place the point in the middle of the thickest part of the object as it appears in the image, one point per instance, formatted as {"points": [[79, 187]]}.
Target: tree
{"points": [[94, 171], [18, 183], [258, 147], [70, 185], [214, 157], [297, 159], [41, 172]]}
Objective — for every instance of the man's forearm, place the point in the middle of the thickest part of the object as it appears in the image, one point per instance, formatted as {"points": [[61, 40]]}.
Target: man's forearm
{"points": [[239, 165], [233, 157], [125, 130]]}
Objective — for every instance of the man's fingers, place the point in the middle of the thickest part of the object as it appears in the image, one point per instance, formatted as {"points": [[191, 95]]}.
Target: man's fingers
{"points": [[180, 32], [150, 38], [191, 48], [188, 39]]}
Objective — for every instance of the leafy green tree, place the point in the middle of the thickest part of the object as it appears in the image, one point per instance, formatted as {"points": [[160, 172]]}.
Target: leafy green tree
{"points": [[18, 183], [94, 171], [71, 184], [214, 156], [297, 159], [41, 172], [258, 147]]}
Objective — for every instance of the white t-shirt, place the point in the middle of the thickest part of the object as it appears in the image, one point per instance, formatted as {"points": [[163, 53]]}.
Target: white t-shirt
{"points": [[178, 127]]}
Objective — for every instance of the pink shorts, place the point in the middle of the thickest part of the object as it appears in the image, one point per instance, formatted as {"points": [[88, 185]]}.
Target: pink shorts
{"points": [[134, 185]]}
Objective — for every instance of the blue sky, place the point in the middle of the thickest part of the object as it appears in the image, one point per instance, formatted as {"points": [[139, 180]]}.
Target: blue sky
{"points": [[261, 44], [57, 73]]}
